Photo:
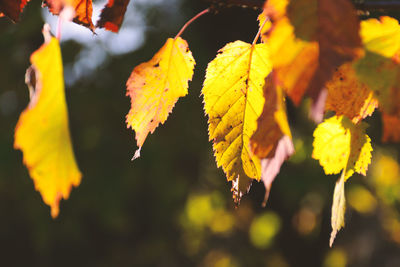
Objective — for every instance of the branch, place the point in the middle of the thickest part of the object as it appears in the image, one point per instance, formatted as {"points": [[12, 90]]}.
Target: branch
{"points": [[258, 4]]}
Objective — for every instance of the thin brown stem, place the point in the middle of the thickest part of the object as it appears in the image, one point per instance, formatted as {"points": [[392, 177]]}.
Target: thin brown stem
{"points": [[259, 32], [191, 20]]}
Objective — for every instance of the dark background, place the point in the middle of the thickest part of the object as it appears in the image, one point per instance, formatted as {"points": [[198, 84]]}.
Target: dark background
{"points": [[172, 206]]}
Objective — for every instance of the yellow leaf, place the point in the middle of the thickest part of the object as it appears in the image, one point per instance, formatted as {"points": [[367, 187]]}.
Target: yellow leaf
{"points": [[338, 208], [42, 132], [155, 86], [341, 145], [233, 100], [381, 36]]}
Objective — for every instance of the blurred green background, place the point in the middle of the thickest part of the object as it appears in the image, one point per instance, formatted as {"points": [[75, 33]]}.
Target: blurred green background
{"points": [[172, 206]]}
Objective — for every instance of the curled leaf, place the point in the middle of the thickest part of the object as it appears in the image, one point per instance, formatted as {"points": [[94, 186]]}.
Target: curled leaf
{"points": [[42, 132]]}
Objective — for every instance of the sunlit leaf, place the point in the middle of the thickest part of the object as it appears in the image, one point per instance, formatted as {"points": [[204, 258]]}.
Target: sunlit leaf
{"points": [[309, 39], [83, 10], [112, 15], [272, 142], [42, 132], [155, 86], [348, 96], [341, 145], [338, 208], [233, 100]]}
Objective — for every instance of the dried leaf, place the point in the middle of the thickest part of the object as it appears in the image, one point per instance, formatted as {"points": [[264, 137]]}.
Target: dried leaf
{"points": [[42, 132], [83, 10], [155, 86], [391, 128], [307, 46], [12, 8], [112, 15], [233, 100]]}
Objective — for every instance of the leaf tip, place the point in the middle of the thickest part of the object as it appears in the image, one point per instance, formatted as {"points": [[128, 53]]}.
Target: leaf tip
{"points": [[137, 154]]}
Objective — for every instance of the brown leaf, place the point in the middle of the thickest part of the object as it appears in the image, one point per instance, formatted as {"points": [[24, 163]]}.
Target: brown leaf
{"points": [[112, 15], [12, 8], [309, 39]]}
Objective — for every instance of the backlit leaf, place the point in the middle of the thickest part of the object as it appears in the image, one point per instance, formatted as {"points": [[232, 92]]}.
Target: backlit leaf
{"points": [[12, 8], [42, 132], [233, 100], [272, 141], [83, 10], [341, 145], [348, 96], [112, 15], [338, 208], [155, 86], [307, 46]]}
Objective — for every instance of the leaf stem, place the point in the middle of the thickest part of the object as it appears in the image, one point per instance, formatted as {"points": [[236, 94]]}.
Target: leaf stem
{"points": [[59, 27], [191, 20], [259, 31]]}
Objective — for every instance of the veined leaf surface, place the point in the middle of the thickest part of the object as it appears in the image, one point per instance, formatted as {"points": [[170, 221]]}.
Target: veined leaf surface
{"points": [[42, 132], [233, 100], [340, 145], [155, 86]]}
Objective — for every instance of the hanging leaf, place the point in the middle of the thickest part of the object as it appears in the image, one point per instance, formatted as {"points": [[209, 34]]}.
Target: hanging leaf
{"points": [[83, 10], [338, 208], [348, 96], [340, 145], [42, 132], [307, 46], [155, 86], [112, 15], [391, 128], [12, 8], [272, 141], [233, 100]]}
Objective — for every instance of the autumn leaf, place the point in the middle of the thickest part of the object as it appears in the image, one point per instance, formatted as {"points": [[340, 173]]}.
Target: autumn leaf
{"points": [[348, 96], [338, 208], [391, 128], [112, 15], [233, 100], [272, 141], [357, 88], [83, 10], [340, 145], [12, 8], [155, 86], [42, 132], [307, 46]]}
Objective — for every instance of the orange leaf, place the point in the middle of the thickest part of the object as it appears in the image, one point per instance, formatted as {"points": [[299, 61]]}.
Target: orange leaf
{"points": [[272, 141], [391, 128], [308, 40], [83, 10], [12, 8], [155, 86], [112, 15], [348, 96], [42, 132]]}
